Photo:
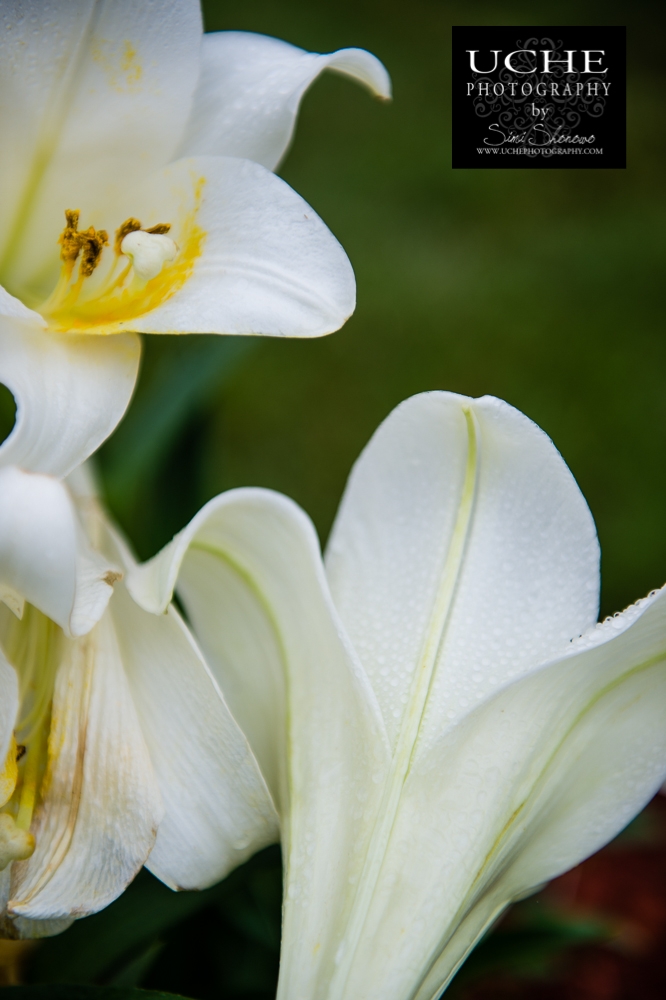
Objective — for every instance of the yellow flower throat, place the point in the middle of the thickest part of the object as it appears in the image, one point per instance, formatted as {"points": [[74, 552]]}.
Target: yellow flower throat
{"points": [[107, 291], [33, 645]]}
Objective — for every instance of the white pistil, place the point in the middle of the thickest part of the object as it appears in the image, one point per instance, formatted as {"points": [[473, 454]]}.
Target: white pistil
{"points": [[149, 252]]}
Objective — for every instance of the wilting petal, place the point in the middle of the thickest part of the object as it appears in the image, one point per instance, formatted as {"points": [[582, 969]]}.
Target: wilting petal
{"points": [[535, 779], [338, 752], [464, 550], [70, 393], [95, 95], [44, 557], [217, 808], [99, 819], [250, 89], [253, 258]]}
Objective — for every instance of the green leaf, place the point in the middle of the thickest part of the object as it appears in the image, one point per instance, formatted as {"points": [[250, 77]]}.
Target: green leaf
{"points": [[94, 945], [115, 942], [66, 992], [135, 971]]}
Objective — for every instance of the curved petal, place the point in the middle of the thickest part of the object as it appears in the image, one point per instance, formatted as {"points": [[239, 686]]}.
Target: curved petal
{"points": [[250, 89], [98, 821], [337, 748], [537, 778], [218, 811], [70, 393], [254, 258], [44, 557], [95, 95], [463, 550], [13, 308], [240, 643]]}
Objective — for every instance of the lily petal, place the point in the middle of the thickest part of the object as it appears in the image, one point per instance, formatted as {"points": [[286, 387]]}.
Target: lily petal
{"points": [[463, 548], [99, 818], [96, 94], [218, 810], [334, 731], [70, 393], [250, 89], [13, 308], [44, 557], [253, 256], [535, 779]]}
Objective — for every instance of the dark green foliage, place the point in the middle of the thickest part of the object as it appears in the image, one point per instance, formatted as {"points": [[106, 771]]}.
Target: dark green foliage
{"points": [[223, 941]]}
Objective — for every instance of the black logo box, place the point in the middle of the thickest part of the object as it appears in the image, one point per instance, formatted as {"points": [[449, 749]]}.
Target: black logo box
{"points": [[539, 97]]}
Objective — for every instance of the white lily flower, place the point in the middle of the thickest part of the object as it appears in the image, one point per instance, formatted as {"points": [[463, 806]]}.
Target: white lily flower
{"points": [[115, 739], [136, 192], [70, 393], [117, 746], [444, 726]]}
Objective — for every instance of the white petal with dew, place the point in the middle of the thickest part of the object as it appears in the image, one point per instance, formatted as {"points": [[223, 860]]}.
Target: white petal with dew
{"points": [[99, 819], [218, 811], [239, 642], [250, 89], [70, 393], [268, 264], [463, 548], [535, 779], [44, 557], [335, 739], [96, 94]]}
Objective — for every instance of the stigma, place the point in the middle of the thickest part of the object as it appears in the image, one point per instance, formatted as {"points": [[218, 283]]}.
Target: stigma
{"points": [[148, 252]]}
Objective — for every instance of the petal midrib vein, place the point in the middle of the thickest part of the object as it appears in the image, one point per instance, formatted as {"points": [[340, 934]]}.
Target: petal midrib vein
{"points": [[413, 714]]}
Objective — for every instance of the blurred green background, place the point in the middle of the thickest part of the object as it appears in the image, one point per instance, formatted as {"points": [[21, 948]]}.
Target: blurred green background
{"points": [[543, 287]]}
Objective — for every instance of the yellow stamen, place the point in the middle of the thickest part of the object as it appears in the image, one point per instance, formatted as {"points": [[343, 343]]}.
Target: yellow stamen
{"points": [[29, 785], [70, 239], [92, 244], [88, 245], [9, 775], [108, 300], [33, 646]]}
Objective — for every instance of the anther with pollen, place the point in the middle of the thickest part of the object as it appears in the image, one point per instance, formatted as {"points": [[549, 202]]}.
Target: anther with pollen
{"points": [[70, 238], [89, 244]]}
